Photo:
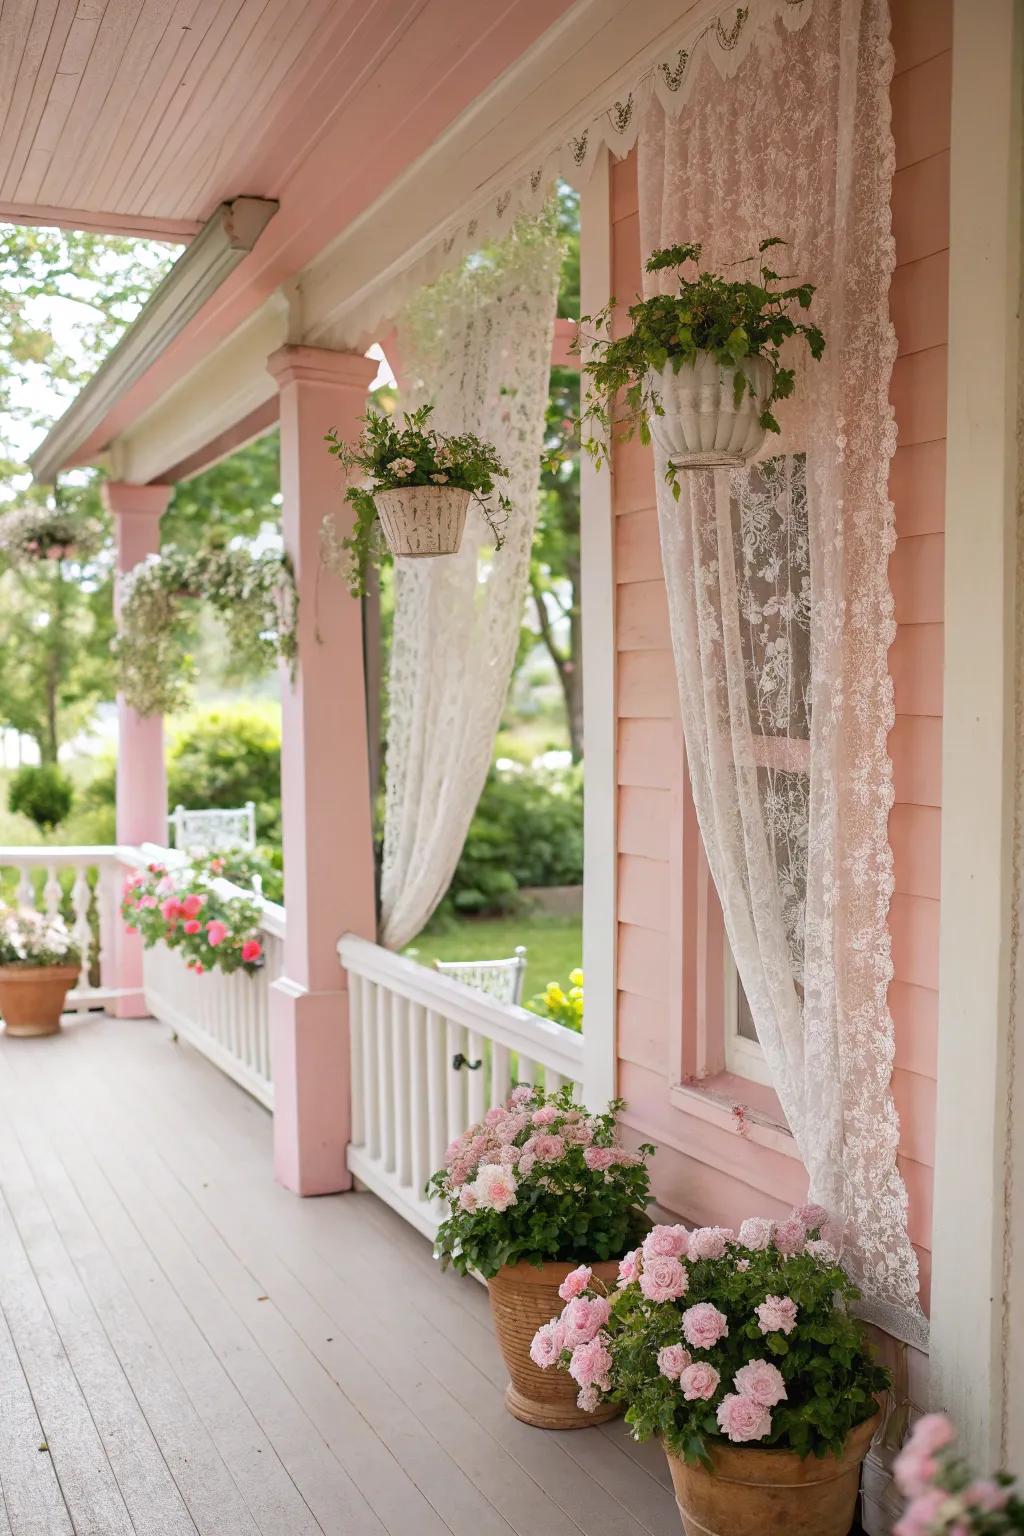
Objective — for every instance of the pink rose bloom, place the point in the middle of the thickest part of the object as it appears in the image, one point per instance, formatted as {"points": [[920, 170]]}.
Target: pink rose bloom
{"points": [[761, 1381], [578, 1134], [756, 1233], [171, 909], [673, 1360], [589, 1399], [590, 1365], [629, 1268], [932, 1432], [821, 1250], [252, 949], [549, 1149], [742, 1419], [922, 1513], [777, 1314], [546, 1115], [598, 1159], [664, 1280], [576, 1282], [583, 1318], [699, 1382], [704, 1325], [495, 1116], [789, 1236], [216, 932], [191, 905], [813, 1217], [147, 901], [467, 1199], [199, 967], [508, 1156], [666, 1243], [743, 1265], [709, 1242], [454, 1149], [193, 925], [495, 1188], [987, 1495], [521, 1095], [510, 1127], [548, 1343], [915, 1467]]}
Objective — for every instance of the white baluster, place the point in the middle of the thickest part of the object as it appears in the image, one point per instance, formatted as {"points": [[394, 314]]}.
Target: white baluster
{"points": [[455, 1045], [499, 1074], [81, 898], [384, 1080], [555, 1081], [476, 1081], [51, 891], [26, 890], [437, 1108], [418, 1100], [355, 1032], [107, 901], [400, 1084], [371, 1108]]}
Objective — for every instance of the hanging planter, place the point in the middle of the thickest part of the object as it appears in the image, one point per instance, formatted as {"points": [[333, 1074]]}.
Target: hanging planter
{"points": [[254, 595], [699, 370], [420, 483], [48, 533]]}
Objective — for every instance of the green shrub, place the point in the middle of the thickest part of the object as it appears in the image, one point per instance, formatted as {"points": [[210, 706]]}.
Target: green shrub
{"points": [[527, 830], [224, 757], [42, 793]]}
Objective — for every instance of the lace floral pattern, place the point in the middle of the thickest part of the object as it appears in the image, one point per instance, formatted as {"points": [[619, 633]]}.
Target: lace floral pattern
{"points": [[781, 611], [477, 343]]}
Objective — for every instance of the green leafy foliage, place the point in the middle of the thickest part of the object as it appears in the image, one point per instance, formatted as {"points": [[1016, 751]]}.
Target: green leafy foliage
{"points": [[394, 454], [41, 792], [730, 319], [253, 594], [527, 830], [561, 1207], [221, 758], [191, 908]]}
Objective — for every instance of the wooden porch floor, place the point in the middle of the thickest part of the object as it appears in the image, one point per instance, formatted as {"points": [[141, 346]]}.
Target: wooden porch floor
{"points": [[184, 1347]]}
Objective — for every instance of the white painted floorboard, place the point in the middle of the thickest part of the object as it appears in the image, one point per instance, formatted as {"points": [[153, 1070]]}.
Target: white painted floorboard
{"points": [[199, 1353]]}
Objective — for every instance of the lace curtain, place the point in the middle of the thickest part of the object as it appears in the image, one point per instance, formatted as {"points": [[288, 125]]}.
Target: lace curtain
{"points": [[478, 344], [780, 607]]}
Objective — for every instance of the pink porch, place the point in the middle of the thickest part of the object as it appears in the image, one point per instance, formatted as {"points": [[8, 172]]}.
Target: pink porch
{"points": [[281, 337]]}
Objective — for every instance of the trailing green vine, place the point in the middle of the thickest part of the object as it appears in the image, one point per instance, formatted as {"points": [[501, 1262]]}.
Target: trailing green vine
{"points": [[253, 594]]}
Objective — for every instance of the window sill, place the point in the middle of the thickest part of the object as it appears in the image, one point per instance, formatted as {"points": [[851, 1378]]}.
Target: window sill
{"points": [[717, 1100]]}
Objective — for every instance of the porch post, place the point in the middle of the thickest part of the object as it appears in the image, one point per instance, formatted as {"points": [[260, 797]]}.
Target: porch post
{"points": [[325, 787], [141, 777]]}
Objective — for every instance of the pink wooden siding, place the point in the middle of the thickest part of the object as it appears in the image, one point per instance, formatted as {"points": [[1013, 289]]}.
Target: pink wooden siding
{"points": [[705, 1168]]}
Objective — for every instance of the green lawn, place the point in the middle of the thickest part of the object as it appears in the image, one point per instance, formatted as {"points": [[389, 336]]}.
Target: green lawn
{"points": [[554, 944]]}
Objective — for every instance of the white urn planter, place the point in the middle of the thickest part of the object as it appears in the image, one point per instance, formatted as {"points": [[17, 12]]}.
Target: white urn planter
{"points": [[421, 520], [702, 426]]}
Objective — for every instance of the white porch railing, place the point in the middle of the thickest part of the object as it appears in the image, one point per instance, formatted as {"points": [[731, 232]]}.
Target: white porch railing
{"points": [[409, 1027], [225, 1017], [85, 885]]}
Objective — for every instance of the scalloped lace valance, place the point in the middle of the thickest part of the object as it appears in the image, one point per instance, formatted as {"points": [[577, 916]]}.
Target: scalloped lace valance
{"points": [[723, 35]]}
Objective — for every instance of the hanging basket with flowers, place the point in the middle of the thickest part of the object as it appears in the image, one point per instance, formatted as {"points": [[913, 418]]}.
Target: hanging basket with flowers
{"points": [[48, 533], [420, 483], [253, 594]]}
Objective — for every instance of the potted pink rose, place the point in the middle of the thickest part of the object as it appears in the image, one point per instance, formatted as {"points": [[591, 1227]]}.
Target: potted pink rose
{"points": [[543, 1203], [738, 1351]]}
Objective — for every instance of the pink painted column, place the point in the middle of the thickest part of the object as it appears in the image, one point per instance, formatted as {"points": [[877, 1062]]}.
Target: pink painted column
{"points": [[325, 784], [141, 776]]}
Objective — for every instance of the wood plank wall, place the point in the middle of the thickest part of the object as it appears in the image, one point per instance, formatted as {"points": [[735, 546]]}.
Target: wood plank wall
{"points": [[704, 1170]]}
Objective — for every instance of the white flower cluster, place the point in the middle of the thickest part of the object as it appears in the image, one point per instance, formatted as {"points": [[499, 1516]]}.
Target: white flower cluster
{"points": [[34, 938]]}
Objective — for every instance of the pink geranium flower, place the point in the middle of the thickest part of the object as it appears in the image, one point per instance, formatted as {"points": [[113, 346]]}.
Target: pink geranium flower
{"points": [[704, 1325], [192, 926], [813, 1217], [790, 1236], [699, 1382], [546, 1115], [762, 1381], [548, 1149], [598, 1159], [664, 1280], [673, 1360], [216, 932], [777, 1314], [252, 949], [191, 905], [741, 1418], [171, 909], [575, 1282]]}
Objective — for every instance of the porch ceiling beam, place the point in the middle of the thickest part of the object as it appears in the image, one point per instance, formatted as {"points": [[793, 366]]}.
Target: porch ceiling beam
{"points": [[223, 242], [175, 231]]}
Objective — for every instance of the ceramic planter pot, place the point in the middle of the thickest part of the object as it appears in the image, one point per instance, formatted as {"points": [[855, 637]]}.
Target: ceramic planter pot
{"points": [[703, 427], [753, 1492], [32, 997], [421, 520], [522, 1299]]}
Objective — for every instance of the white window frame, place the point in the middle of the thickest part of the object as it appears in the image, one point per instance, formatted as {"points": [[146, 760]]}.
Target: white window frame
{"points": [[743, 1057]]}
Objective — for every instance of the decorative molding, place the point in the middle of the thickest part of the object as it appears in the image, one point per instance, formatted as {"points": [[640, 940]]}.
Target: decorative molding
{"points": [[224, 241]]}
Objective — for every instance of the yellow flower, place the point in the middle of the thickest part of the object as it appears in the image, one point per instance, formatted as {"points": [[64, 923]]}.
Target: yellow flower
{"points": [[554, 993], [576, 977]]}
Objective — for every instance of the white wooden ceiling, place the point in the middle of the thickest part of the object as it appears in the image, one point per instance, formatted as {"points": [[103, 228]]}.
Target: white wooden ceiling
{"points": [[145, 114]]}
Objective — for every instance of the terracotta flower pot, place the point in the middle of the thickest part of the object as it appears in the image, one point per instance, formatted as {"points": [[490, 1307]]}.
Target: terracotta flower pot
{"points": [[522, 1299], [421, 520], [702, 426], [753, 1492], [32, 997]]}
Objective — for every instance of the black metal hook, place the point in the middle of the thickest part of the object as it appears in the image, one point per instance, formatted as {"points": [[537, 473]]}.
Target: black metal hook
{"points": [[458, 1060]]}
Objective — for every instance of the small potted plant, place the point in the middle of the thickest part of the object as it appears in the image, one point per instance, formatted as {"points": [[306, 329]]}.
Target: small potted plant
{"points": [[944, 1498], [420, 485], [543, 1202], [699, 369], [39, 962], [739, 1353]]}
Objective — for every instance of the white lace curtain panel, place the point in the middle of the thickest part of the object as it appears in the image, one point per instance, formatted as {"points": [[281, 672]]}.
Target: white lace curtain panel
{"points": [[780, 607], [478, 344]]}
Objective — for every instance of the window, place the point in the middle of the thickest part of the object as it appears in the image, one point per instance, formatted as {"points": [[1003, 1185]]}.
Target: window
{"points": [[743, 1053]]}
